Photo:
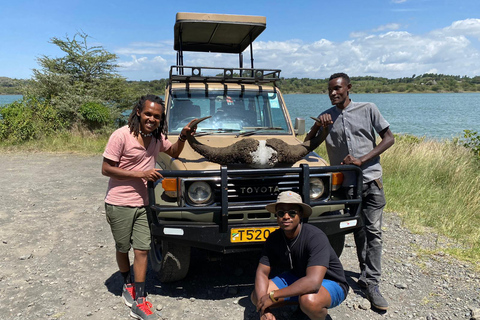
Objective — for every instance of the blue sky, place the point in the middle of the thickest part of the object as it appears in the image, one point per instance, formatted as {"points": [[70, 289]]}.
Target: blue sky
{"points": [[314, 38]]}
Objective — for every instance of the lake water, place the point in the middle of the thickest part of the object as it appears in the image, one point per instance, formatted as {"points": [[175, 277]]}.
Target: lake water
{"points": [[6, 99], [434, 115]]}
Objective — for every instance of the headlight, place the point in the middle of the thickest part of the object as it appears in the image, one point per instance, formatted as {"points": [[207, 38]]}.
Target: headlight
{"points": [[199, 192], [316, 188]]}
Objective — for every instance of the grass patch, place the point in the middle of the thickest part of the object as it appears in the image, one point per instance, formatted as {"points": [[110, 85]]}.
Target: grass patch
{"points": [[434, 185], [65, 142]]}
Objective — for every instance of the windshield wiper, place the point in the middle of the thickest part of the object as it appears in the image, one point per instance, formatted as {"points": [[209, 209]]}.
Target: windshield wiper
{"points": [[226, 130], [213, 131], [257, 130], [202, 133]]}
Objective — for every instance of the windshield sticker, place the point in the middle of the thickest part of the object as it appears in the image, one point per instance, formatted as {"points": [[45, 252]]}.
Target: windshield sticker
{"points": [[273, 101]]}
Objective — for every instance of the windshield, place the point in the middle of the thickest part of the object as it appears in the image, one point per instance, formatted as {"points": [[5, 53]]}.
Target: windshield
{"points": [[231, 112]]}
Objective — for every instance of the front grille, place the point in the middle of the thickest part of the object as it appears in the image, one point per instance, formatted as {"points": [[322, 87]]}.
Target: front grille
{"points": [[240, 195], [243, 190]]}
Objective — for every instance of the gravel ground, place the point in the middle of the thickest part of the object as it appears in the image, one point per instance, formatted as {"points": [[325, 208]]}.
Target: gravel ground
{"points": [[57, 259]]}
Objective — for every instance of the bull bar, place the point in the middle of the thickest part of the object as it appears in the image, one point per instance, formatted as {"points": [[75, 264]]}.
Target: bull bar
{"points": [[215, 236]]}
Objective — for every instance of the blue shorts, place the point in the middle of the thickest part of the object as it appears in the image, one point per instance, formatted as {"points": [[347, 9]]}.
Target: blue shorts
{"points": [[336, 292]]}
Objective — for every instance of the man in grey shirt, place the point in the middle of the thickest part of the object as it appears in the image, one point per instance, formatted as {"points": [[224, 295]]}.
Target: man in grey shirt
{"points": [[349, 129]]}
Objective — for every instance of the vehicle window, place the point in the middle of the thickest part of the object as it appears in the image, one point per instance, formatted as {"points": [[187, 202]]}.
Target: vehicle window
{"points": [[230, 112]]}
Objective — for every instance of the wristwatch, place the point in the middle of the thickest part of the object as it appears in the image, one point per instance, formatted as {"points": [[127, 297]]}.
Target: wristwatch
{"points": [[182, 137], [272, 297]]}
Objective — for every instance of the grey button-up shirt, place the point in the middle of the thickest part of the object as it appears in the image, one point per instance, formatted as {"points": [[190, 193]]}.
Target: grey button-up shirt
{"points": [[353, 132]]}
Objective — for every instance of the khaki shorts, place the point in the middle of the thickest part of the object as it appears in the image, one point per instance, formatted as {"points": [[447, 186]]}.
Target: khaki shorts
{"points": [[129, 227]]}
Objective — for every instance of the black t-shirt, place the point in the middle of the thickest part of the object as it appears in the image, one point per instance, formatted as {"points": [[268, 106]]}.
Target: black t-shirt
{"points": [[310, 248]]}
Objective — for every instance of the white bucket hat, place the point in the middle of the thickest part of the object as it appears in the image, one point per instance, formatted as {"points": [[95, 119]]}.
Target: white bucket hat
{"points": [[292, 198]]}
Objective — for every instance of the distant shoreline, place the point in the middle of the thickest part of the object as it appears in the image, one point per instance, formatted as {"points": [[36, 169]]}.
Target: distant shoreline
{"points": [[425, 83]]}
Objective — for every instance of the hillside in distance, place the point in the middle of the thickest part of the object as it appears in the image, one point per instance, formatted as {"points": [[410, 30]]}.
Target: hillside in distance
{"points": [[425, 83], [11, 86]]}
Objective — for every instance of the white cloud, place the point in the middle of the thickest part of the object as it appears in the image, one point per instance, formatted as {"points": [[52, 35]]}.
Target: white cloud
{"points": [[146, 48], [358, 34], [392, 53], [390, 26], [468, 27], [144, 68]]}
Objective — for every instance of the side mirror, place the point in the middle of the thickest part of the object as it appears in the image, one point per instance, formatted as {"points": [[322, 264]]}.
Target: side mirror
{"points": [[299, 126]]}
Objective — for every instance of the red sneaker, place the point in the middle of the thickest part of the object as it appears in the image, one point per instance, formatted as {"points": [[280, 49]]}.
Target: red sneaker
{"points": [[128, 294], [142, 310]]}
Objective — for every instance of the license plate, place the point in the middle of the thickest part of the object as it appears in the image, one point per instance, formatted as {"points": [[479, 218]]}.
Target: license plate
{"points": [[250, 234]]}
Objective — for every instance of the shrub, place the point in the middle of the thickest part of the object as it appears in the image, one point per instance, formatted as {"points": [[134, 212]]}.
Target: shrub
{"points": [[29, 119], [95, 115], [471, 140]]}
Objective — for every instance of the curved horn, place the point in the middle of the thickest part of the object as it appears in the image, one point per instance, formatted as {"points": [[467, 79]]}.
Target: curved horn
{"points": [[239, 152], [197, 121], [288, 153], [313, 143]]}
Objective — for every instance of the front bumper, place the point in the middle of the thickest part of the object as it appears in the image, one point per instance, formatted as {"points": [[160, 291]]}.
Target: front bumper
{"points": [[209, 236], [216, 236]]}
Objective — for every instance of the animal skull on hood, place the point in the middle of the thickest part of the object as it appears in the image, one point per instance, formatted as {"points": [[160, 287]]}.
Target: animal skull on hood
{"points": [[256, 153]]}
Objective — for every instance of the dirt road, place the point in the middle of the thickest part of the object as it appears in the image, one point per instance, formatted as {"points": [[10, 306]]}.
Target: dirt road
{"points": [[57, 259]]}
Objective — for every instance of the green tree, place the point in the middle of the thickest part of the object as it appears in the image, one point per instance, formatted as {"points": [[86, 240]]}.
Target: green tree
{"points": [[86, 74]]}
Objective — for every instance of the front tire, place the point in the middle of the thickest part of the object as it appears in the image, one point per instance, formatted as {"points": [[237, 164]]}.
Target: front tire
{"points": [[169, 260]]}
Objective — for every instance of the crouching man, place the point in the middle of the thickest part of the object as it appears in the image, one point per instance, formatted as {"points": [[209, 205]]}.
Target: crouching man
{"points": [[310, 273]]}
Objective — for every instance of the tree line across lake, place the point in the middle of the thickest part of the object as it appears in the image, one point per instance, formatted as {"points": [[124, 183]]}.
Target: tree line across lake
{"points": [[425, 83]]}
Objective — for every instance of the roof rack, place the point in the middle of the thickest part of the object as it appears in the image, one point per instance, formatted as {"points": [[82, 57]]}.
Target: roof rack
{"points": [[223, 75]]}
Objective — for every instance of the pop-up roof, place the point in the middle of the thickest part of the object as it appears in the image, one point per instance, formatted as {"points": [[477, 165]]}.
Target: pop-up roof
{"points": [[224, 33]]}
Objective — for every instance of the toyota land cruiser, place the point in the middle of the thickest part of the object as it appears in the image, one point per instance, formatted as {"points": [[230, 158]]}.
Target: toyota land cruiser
{"points": [[218, 204]]}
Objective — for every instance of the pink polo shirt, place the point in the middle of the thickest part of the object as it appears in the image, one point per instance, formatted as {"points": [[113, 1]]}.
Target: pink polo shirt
{"points": [[122, 147]]}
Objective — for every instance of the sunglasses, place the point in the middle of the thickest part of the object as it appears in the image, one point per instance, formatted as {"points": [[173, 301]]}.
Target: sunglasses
{"points": [[291, 213]]}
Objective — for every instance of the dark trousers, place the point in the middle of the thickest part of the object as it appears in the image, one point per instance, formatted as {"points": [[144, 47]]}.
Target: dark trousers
{"points": [[368, 239]]}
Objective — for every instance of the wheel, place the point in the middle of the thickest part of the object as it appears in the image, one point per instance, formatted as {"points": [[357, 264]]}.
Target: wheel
{"points": [[169, 260], [337, 241]]}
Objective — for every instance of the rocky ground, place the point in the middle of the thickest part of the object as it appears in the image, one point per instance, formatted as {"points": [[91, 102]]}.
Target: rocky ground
{"points": [[57, 259]]}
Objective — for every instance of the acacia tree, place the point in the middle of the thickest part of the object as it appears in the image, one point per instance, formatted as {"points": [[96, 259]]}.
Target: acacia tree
{"points": [[86, 74], [82, 63]]}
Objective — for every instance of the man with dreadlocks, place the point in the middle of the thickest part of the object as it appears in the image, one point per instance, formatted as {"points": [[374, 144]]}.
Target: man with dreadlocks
{"points": [[129, 160]]}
